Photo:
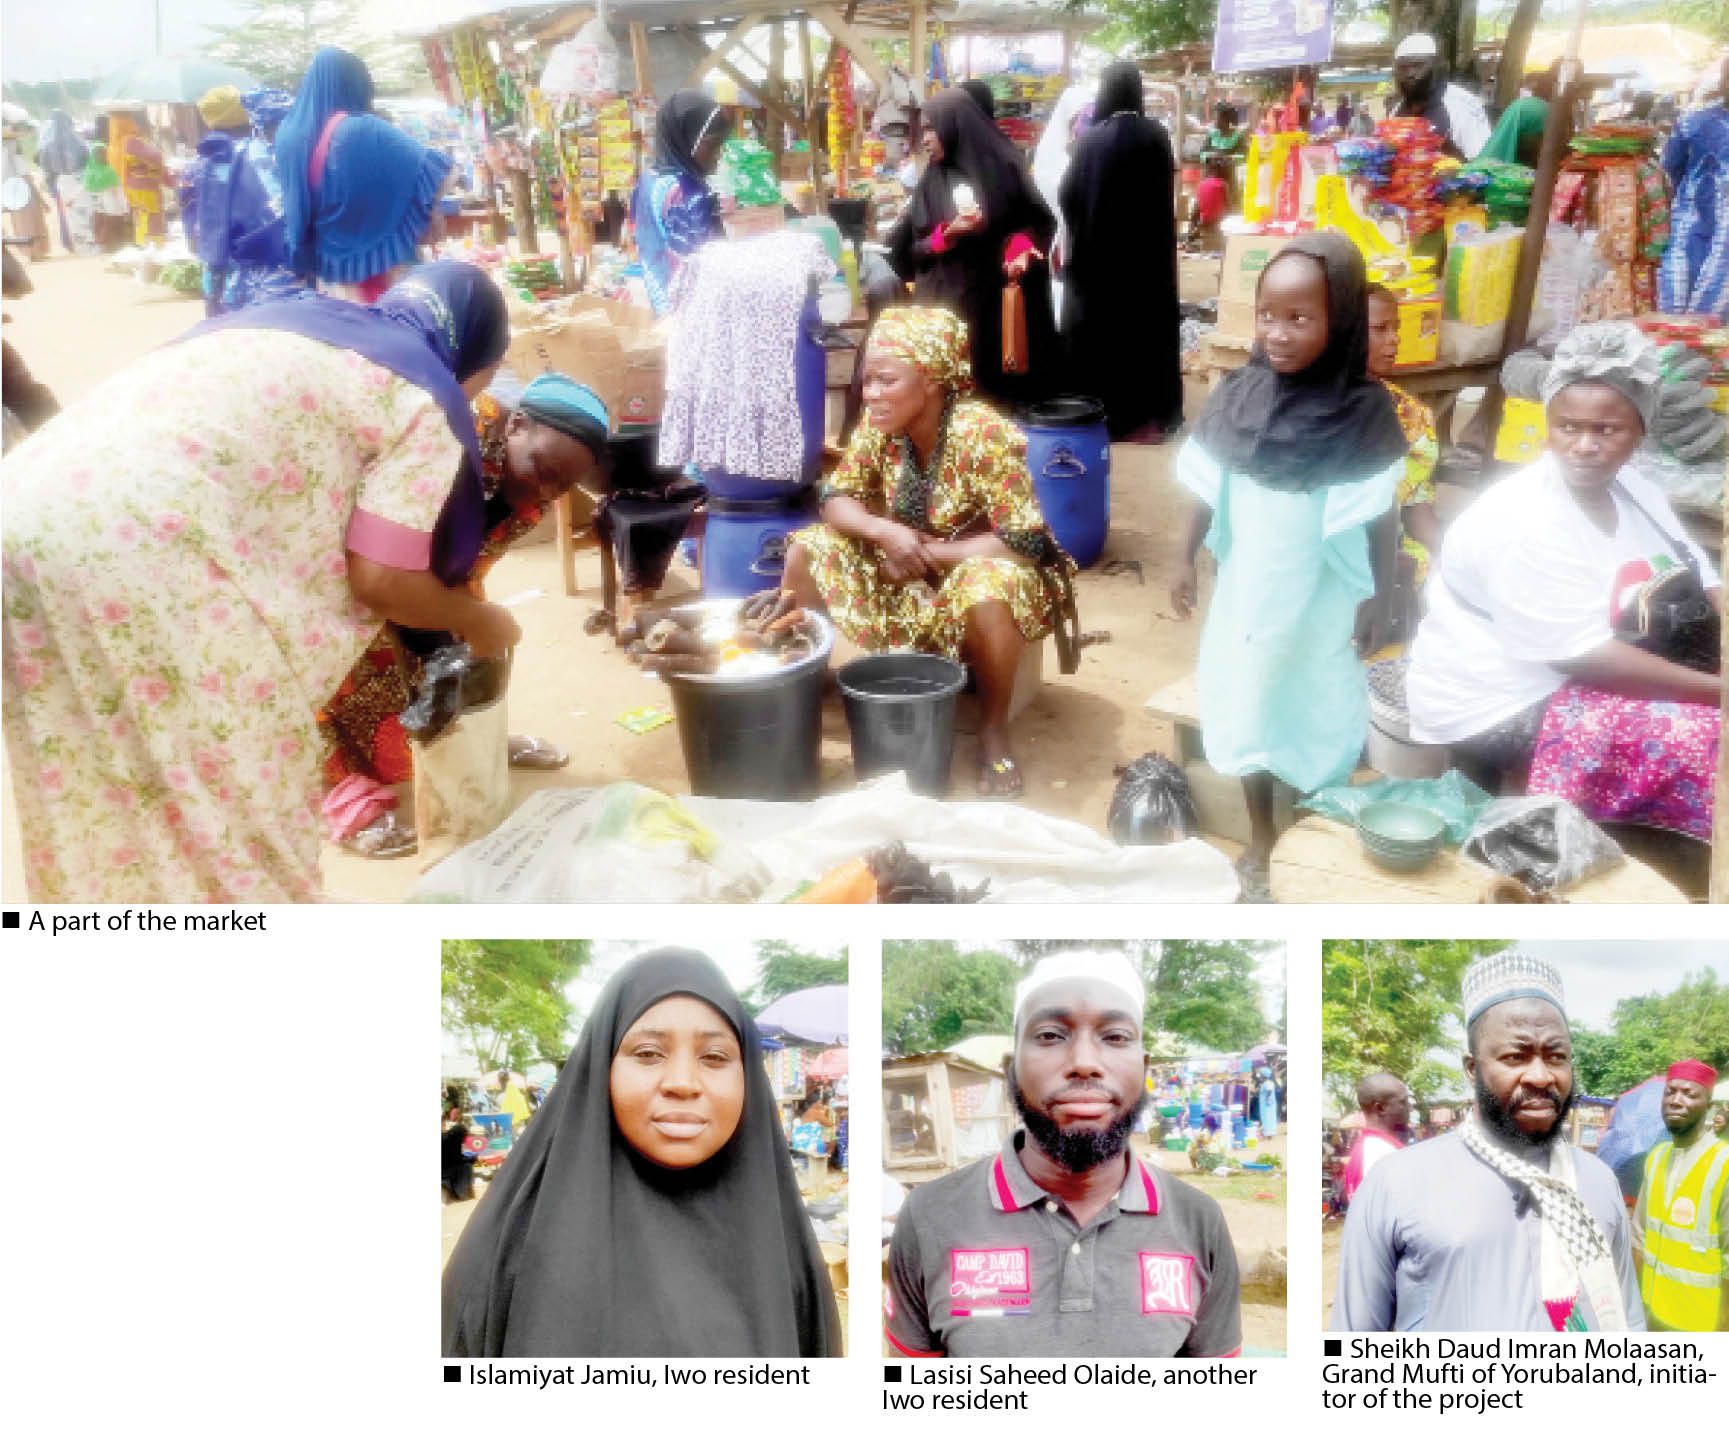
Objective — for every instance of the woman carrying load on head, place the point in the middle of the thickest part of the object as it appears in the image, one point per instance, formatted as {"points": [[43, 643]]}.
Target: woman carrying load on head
{"points": [[183, 590], [932, 536]]}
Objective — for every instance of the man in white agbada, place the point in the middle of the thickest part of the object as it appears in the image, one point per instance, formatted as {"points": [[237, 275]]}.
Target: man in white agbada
{"points": [[1500, 1224], [1424, 90]]}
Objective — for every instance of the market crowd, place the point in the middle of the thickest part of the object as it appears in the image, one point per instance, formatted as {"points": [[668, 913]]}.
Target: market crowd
{"points": [[225, 568]]}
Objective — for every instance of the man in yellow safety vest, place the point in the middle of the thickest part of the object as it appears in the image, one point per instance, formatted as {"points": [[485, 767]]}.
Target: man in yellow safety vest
{"points": [[1683, 1210]]}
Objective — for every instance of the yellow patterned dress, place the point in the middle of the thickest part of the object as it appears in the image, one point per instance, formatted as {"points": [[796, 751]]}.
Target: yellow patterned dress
{"points": [[1418, 484], [981, 485]]}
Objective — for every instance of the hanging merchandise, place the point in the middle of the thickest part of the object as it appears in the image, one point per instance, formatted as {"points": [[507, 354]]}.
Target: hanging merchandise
{"points": [[1411, 186], [617, 147], [438, 66], [476, 70], [747, 173], [587, 65], [842, 116]]}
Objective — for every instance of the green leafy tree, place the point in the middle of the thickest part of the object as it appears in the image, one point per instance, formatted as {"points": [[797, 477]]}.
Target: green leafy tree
{"points": [[1207, 992], [1647, 1034], [935, 993], [784, 968], [1386, 1004], [277, 40], [506, 998]]}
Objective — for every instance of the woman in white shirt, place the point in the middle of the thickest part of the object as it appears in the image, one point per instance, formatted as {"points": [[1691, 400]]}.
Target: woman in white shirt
{"points": [[1516, 664]]}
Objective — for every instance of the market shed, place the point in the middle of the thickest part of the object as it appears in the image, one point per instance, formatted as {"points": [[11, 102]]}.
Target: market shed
{"points": [[940, 1111]]}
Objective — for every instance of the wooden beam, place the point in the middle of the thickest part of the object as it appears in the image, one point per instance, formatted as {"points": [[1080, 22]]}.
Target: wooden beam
{"points": [[813, 141], [719, 53], [777, 132], [639, 57], [920, 48], [747, 85], [865, 57]]}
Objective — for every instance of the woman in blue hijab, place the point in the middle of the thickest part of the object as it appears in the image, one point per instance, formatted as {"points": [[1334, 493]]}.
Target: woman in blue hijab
{"points": [[336, 82], [674, 211]]}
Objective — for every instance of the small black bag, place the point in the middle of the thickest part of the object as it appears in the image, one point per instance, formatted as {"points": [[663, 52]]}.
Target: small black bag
{"points": [[1671, 617]]}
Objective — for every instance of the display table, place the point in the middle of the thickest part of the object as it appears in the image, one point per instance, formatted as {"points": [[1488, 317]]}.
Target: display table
{"points": [[1321, 860]]}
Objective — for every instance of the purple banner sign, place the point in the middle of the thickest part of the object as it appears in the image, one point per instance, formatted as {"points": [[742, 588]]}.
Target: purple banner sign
{"points": [[1272, 34]]}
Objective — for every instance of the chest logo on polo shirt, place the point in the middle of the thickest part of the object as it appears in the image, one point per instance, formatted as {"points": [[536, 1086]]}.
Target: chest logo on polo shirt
{"points": [[1167, 1283], [990, 1280]]}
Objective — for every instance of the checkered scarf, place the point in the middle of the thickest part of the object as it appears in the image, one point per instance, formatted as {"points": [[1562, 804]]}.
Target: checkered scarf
{"points": [[1575, 1255]]}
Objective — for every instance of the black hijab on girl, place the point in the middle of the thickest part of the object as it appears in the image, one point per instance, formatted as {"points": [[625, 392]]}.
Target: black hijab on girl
{"points": [[1330, 423], [687, 119], [585, 1248]]}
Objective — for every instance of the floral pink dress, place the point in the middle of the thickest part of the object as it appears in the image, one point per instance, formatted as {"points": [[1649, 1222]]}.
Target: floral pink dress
{"points": [[177, 609]]}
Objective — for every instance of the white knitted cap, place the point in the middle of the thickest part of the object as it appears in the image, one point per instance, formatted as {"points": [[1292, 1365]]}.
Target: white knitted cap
{"points": [[1111, 968], [1419, 46], [1510, 976]]}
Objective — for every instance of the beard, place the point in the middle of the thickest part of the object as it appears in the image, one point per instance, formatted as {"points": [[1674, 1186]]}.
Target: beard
{"points": [[1499, 1118], [1076, 1150]]}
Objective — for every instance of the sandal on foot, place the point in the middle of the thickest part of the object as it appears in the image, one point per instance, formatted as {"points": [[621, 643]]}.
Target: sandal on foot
{"points": [[383, 839], [1254, 882], [535, 755], [1001, 779]]}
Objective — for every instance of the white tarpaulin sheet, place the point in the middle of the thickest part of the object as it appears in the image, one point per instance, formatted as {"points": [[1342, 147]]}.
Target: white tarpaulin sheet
{"points": [[630, 843]]}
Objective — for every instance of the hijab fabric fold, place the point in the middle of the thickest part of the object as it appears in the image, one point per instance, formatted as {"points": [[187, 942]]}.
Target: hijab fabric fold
{"points": [[1330, 423], [583, 1248], [413, 340], [371, 202]]}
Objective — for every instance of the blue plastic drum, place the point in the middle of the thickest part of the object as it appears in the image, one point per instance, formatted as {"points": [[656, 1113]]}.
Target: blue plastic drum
{"points": [[1069, 457], [744, 546]]}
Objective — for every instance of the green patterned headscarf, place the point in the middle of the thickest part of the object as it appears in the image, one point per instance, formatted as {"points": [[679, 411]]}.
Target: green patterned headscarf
{"points": [[934, 341]]}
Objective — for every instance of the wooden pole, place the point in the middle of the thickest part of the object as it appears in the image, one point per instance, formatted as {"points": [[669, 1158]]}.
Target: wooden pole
{"points": [[522, 209], [639, 57], [777, 90], [813, 141], [920, 51], [1556, 133]]}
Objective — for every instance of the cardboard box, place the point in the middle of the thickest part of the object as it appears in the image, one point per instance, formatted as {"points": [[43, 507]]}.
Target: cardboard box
{"points": [[1245, 256], [617, 349], [1419, 332], [1236, 319]]}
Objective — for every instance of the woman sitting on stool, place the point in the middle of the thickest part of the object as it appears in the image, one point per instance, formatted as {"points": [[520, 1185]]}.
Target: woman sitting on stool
{"points": [[1517, 664], [932, 536]]}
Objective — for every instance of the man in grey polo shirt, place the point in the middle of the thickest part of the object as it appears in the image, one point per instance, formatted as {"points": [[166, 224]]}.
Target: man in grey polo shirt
{"points": [[1063, 1243]]}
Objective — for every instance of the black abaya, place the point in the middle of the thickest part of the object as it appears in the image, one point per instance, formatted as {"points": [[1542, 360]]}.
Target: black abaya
{"points": [[968, 277], [1120, 318], [584, 1248]]}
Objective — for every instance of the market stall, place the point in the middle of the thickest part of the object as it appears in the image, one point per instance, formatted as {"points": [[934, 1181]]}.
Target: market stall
{"points": [[941, 1111]]}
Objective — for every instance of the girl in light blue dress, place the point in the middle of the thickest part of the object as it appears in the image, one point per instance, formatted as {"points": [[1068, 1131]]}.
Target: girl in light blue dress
{"points": [[1294, 468]]}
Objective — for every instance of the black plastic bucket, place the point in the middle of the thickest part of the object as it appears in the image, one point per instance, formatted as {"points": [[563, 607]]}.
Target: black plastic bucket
{"points": [[900, 711], [756, 737]]}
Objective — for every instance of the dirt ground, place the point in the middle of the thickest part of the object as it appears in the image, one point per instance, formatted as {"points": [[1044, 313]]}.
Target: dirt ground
{"points": [[82, 324]]}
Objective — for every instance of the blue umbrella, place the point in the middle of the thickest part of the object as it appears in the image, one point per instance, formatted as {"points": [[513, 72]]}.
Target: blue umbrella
{"points": [[1635, 1125], [818, 1015], [167, 79]]}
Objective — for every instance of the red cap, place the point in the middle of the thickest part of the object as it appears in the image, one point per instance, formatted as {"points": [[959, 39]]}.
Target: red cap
{"points": [[1695, 1071]]}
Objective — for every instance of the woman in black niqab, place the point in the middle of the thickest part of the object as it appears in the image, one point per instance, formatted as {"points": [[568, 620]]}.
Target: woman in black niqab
{"points": [[582, 1247], [967, 275], [1120, 317]]}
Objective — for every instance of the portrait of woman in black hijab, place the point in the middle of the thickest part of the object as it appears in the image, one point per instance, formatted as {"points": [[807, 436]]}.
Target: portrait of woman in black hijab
{"points": [[651, 1209], [976, 223]]}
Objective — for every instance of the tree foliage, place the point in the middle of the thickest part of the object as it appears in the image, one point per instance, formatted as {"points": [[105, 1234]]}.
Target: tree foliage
{"points": [[935, 993], [784, 968], [1386, 1004], [277, 40], [1647, 1034], [506, 998]]}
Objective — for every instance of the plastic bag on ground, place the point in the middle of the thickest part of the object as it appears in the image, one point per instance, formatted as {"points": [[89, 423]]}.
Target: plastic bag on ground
{"points": [[1453, 797], [555, 847], [1545, 842], [459, 736], [1152, 804]]}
